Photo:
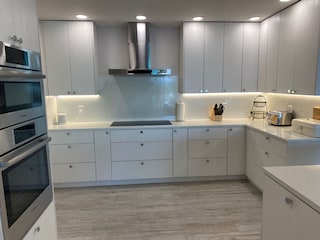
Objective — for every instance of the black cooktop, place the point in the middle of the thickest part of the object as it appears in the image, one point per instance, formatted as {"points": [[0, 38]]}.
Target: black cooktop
{"points": [[140, 123]]}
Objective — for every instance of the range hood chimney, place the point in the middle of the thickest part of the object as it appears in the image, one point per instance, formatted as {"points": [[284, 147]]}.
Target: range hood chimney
{"points": [[139, 52]]}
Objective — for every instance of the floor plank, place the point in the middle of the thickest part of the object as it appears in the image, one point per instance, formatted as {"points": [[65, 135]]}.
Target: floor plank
{"points": [[220, 210]]}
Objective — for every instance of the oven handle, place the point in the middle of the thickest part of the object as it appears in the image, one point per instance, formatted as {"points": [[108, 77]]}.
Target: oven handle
{"points": [[24, 152]]}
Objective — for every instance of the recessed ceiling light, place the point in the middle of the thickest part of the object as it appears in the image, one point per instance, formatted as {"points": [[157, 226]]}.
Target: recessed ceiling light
{"points": [[81, 16], [197, 18], [141, 17], [254, 19]]}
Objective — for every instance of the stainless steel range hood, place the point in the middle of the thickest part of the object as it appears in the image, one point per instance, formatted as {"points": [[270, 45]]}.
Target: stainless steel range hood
{"points": [[139, 52]]}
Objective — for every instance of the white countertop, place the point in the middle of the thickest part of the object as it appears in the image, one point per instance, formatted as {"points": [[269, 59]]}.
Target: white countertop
{"points": [[302, 181], [284, 133]]}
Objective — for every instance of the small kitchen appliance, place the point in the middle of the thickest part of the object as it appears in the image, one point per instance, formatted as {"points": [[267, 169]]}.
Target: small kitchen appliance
{"points": [[279, 118], [306, 126]]}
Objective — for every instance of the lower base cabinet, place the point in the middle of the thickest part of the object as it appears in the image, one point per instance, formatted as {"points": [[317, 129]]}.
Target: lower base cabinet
{"points": [[45, 227], [141, 169], [286, 217]]}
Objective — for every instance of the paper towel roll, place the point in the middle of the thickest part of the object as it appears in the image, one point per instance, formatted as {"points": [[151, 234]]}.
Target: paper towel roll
{"points": [[180, 111], [62, 118]]}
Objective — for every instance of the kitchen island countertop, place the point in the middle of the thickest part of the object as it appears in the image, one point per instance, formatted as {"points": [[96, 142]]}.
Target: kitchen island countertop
{"points": [[302, 181]]}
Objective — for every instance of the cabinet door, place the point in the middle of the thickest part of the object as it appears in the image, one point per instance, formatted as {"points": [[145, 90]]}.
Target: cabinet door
{"points": [[289, 19], [307, 48], [236, 151], [263, 47], [213, 57], [272, 53], [232, 67], [180, 152], [192, 60], [55, 35], [45, 227], [72, 153], [287, 217], [102, 148], [81, 50], [20, 18], [250, 57]]}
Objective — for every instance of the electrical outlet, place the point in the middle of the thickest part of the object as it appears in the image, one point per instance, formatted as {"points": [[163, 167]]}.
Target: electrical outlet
{"points": [[80, 109], [225, 105]]}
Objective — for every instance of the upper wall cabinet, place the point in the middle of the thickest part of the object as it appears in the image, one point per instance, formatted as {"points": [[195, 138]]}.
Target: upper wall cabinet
{"points": [[19, 23], [289, 60], [219, 57], [69, 57]]}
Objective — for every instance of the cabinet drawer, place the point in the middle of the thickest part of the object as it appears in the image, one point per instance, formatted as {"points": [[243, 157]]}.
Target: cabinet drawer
{"points": [[271, 144], [72, 136], [207, 148], [267, 158], [207, 167], [141, 135], [207, 133], [141, 151], [141, 169], [72, 153], [76, 172]]}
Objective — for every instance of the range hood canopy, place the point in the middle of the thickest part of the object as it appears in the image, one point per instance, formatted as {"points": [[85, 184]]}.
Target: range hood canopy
{"points": [[139, 52]]}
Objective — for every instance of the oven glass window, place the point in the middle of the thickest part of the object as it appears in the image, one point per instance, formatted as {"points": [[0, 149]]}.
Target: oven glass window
{"points": [[16, 96], [24, 182]]}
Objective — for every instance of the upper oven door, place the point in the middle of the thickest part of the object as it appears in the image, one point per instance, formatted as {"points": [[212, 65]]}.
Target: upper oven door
{"points": [[21, 98]]}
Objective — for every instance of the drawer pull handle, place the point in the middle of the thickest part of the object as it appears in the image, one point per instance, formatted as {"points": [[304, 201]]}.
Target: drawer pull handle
{"points": [[37, 229], [267, 138], [266, 153], [175, 131], [107, 133], [141, 132], [69, 147], [207, 161], [142, 163], [68, 134], [141, 144], [288, 200], [70, 166], [207, 142], [208, 130]]}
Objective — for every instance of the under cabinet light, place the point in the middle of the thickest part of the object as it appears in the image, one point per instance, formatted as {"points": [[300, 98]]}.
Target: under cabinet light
{"points": [[284, 0], [197, 18], [141, 17], [253, 19], [81, 16]]}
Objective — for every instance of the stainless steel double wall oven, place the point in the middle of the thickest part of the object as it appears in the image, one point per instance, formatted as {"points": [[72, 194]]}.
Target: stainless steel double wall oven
{"points": [[25, 181]]}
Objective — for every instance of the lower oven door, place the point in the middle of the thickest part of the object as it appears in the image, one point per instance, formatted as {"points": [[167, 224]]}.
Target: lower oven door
{"points": [[25, 187]]}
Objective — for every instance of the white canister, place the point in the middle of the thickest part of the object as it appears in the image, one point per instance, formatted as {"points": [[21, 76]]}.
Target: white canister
{"points": [[180, 111], [62, 118]]}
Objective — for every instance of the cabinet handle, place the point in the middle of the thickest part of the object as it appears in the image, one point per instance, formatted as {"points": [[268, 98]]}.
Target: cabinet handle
{"points": [[207, 130], [207, 142], [266, 153], [207, 161], [69, 92], [37, 229], [230, 129], [69, 147], [141, 144], [201, 91], [243, 90], [107, 133], [206, 91], [175, 131], [288, 200], [267, 138], [141, 132], [70, 166], [142, 163], [68, 134], [74, 93]]}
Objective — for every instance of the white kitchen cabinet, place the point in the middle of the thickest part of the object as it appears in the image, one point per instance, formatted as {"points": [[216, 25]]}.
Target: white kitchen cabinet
{"points": [[72, 155], [19, 18], [207, 151], [103, 154], [233, 51], [69, 57], [202, 57], [45, 227], [236, 151], [285, 216], [263, 48], [180, 152], [272, 53], [263, 151], [250, 58], [299, 48], [141, 153]]}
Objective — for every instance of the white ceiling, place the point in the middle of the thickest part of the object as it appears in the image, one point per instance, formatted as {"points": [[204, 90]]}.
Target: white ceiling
{"points": [[105, 12]]}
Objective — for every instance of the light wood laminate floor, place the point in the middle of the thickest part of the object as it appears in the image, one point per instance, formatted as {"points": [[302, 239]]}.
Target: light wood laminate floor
{"points": [[220, 210]]}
